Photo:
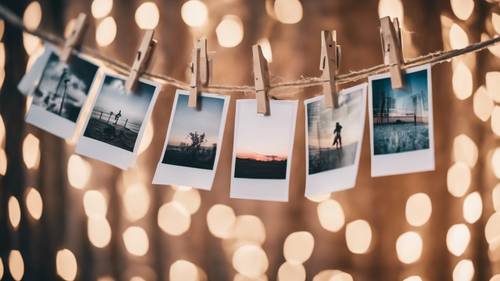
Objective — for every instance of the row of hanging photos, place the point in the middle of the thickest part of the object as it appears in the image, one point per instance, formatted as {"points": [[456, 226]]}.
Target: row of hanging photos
{"points": [[390, 35]]}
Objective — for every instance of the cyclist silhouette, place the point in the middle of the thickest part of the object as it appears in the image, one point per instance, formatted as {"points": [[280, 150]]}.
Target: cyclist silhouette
{"points": [[117, 116], [337, 141]]}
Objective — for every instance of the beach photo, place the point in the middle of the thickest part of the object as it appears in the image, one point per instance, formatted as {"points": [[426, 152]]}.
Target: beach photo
{"points": [[334, 137], [117, 119], [193, 141], [401, 122], [62, 91], [262, 150]]}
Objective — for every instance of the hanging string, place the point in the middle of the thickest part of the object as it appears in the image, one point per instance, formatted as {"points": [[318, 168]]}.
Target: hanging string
{"points": [[352, 76]]}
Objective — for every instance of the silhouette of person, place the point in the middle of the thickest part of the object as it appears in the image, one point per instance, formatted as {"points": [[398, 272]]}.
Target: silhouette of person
{"points": [[118, 115], [337, 141]]}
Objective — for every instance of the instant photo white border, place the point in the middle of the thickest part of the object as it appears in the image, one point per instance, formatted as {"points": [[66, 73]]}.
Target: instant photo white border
{"points": [[111, 154], [30, 80], [404, 162], [53, 123], [339, 178], [168, 174], [263, 189]]}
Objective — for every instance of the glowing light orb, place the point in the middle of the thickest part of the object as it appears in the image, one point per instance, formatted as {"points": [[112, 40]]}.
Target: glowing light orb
{"points": [[229, 31], [462, 81], [409, 247], [101, 8], [221, 220], [463, 271], [190, 199], [79, 171], [98, 231], [250, 261], [418, 209], [173, 218], [458, 37], [457, 239], [136, 241], [291, 272], [194, 13], [94, 204], [298, 247], [34, 203], [462, 8], [14, 211], [136, 201], [16, 265], [288, 11], [331, 215], [183, 270], [31, 151], [32, 15], [249, 229], [106, 32], [66, 265], [465, 150], [473, 207], [358, 236], [147, 15], [458, 179]]}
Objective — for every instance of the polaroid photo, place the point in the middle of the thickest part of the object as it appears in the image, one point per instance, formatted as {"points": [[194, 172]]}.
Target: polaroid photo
{"points": [[60, 94], [401, 126], [114, 128], [333, 141], [193, 142], [262, 150], [32, 77]]}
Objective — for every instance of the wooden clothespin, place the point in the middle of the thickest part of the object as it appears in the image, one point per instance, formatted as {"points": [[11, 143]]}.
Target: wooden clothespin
{"points": [[141, 60], [75, 37], [261, 79], [200, 70], [390, 36], [330, 63]]}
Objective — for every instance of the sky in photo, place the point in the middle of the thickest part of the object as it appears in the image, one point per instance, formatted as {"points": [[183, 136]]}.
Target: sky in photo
{"points": [[321, 120], [133, 106], [264, 135], [415, 83], [206, 119]]}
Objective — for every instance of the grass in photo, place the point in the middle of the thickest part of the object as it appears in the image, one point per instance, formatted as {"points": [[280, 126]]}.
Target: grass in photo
{"points": [[194, 133], [333, 134], [401, 116], [117, 116], [63, 88]]}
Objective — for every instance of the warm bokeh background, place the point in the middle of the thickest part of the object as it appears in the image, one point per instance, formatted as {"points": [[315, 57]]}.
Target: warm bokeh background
{"points": [[62, 216]]}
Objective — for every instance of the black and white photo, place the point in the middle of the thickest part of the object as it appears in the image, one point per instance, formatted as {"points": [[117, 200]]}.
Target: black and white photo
{"points": [[60, 93], [262, 150], [333, 141], [401, 127], [193, 141], [117, 121]]}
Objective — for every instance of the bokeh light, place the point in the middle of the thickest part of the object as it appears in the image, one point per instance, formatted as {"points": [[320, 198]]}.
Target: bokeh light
{"points": [[413, 278], [358, 236], [136, 201], [418, 209], [98, 231], [458, 37], [14, 211], [183, 270], [147, 138], [3, 162], [16, 265], [266, 49], [32, 15], [333, 275], [194, 13], [173, 218], [1, 265], [147, 15], [492, 229], [136, 241], [34, 203], [462, 8], [465, 150], [31, 43], [409, 247], [189, 199], [79, 171], [291, 272], [495, 162], [31, 151], [250, 261], [298, 247], [458, 179], [221, 220], [66, 265], [493, 85], [462, 81], [495, 196], [318, 198], [391, 8], [473, 207], [495, 20], [94, 204], [101, 8], [482, 104], [106, 32], [288, 11], [249, 229], [229, 31], [331, 215], [463, 271], [457, 239]]}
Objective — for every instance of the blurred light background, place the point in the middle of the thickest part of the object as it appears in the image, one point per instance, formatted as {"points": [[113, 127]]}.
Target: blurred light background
{"points": [[64, 217]]}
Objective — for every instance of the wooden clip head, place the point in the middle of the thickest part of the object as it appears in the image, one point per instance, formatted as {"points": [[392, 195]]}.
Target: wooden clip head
{"points": [[261, 80], [141, 59], [390, 36], [329, 64], [200, 70], [75, 37]]}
